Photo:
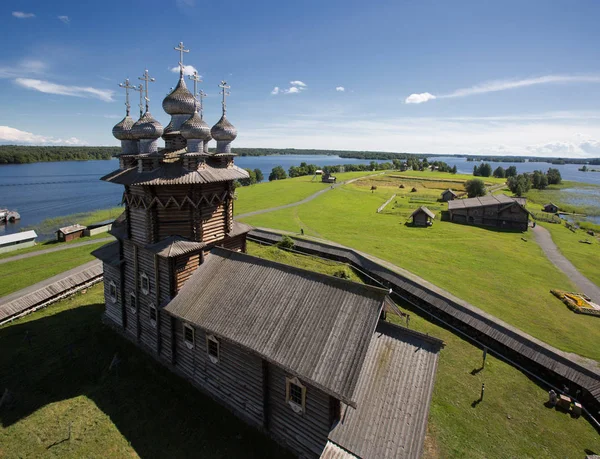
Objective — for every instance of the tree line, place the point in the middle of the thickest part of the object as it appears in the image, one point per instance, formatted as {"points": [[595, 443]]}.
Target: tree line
{"points": [[17, 154], [518, 184]]}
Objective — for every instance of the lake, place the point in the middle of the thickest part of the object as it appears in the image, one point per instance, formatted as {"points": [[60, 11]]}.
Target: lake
{"points": [[46, 190]]}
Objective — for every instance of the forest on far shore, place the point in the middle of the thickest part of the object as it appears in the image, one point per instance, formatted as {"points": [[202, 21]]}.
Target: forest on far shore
{"points": [[18, 154]]}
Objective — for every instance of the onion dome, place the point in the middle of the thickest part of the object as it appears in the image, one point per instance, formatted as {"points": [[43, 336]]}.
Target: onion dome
{"points": [[122, 130], [180, 101], [223, 130], [146, 128], [195, 128]]}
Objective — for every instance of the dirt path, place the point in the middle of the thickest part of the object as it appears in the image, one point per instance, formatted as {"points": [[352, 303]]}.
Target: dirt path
{"points": [[305, 200], [543, 238], [54, 249]]}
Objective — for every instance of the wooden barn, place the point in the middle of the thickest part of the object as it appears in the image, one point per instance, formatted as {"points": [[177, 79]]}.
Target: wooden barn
{"points": [[500, 211], [448, 195], [551, 208], [68, 233], [328, 178], [422, 217], [304, 357]]}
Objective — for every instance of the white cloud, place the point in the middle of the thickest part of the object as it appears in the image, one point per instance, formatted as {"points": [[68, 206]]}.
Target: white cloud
{"points": [[64, 19], [419, 98], [292, 90], [187, 69], [296, 87], [76, 91], [275, 90], [340, 89], [22, 15], [10, 135], [25, 67], [503, 85], [553, 149], [298, 83], [591, 147]]}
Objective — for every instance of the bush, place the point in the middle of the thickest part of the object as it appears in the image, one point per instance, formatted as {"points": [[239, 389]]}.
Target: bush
{"points": [[342, 273], [499, 172], [277, 173], [286, 243], [475, 188], [259, 175], [554, 177]]}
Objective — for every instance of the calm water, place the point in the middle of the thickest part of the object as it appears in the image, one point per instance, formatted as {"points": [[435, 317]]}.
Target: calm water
{"points": [[45, 190]]}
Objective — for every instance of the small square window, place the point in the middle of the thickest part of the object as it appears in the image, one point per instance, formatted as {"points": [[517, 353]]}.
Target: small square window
{"points": [[145, 284], [213, 348], [188, 336], [153, 315], [132, 302], [112, 291], [295, 394]]}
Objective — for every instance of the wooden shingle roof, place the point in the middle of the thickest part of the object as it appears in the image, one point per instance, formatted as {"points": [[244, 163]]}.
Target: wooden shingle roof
{"points": [[314, 326], [424, 210]]}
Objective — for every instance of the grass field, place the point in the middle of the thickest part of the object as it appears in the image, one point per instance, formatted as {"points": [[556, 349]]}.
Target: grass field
{"points": [[494, 270], [19, 274], [459, 178], [51, 245], [280, 192], [68, 404]]}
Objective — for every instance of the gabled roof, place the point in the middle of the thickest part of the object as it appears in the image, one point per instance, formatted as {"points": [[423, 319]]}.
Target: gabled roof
{"points": [[449, 191], [393, 395], [71, 229], [174, 174], [16, 237], [174, 246], [109, 253], [488, 200], [314, 326], [424, 210]]}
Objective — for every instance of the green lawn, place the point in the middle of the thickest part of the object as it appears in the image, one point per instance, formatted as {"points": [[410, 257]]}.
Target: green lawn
{"points": [[280, 192], [51, 245], [19, 274], [494, 270], [512, 421], [60, 382], [447, 176]]}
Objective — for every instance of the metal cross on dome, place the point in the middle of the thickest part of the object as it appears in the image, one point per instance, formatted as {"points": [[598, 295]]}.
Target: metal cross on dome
{"points": [[196, 79], [127, 87], [225, 92], [146, 78], [181, 50], [140, 89]]}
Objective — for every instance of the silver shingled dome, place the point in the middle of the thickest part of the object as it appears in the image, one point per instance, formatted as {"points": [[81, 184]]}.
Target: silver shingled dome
{"points": [[146, 128], [195, 128], [180, 101], [223, 130], [122, 130]]}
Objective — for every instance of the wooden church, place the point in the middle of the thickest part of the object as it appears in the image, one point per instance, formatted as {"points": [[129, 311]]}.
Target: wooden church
{"points": [[307, 358]]}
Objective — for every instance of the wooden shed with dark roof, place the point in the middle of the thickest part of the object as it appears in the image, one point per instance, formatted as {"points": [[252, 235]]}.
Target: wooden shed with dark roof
{"points": [[551, 208], [448, 195], [68, 233]]}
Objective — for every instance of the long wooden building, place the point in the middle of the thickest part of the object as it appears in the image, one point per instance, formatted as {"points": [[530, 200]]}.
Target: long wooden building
{"points": [[500, 211], [307, 358]]}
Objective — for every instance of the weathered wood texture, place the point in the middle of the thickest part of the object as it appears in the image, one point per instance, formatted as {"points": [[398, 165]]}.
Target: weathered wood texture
{"points": [[113, 308]]}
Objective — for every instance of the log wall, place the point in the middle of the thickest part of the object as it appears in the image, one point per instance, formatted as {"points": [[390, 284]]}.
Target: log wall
{"points": [[113, 309]]}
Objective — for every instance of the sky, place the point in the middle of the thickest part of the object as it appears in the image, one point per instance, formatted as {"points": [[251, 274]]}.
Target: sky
{"points": [[456, 77]]}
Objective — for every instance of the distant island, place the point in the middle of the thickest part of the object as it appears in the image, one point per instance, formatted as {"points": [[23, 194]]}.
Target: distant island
{"points": [[20, 154]]}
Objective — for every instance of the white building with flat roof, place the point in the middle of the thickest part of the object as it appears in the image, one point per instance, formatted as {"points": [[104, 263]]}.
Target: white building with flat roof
{"points": [[17, 241]]}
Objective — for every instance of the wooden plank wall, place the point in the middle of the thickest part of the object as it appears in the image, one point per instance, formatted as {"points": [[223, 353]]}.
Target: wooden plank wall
{"points": [[113, 309], [304, 433], [184, 268]]}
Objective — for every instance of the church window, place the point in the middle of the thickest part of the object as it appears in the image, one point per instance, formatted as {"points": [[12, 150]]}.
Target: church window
{"points": [[132, 302], [188, 336], [153, 315], [295, 394], [213, 348], [145, 283], [112, 291]]}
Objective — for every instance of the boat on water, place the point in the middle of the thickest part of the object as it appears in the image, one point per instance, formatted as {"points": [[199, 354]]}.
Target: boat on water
{"points": [[9, 216]]}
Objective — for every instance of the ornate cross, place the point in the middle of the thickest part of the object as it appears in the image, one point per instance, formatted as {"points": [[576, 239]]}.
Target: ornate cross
{"points": [[225, 92], [127, 87], [146, 79], [196, 79], [181, 50], [140, 89], [202, 95]]}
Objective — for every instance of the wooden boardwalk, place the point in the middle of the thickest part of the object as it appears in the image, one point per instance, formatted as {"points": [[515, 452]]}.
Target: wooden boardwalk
{"points": [[48, 291], [524, 350]]}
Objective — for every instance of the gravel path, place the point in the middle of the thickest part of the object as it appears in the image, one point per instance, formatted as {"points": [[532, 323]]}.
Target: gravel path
{"points": [[543, 238], [54, 249], [305, 200]]}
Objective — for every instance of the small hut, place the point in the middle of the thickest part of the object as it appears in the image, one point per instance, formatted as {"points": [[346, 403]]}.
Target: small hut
{"points": [[422, 217], [448, 195], [68, 233], [414, 190], [551, 208], [328, 178]]}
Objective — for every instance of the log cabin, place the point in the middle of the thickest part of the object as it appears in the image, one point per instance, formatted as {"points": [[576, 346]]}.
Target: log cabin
{"points": [[500, 211], [302, 356]]}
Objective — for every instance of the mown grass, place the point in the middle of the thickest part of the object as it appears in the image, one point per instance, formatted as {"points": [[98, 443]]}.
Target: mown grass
{"points": [[512, 421], [19, 274], [48, 227], [66, 402], [494, 270], [460, 178], [281, 192], [51, 245]]}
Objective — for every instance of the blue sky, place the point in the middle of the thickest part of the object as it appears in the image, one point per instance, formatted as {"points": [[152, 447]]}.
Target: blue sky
{"points": [[477, 77]]}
